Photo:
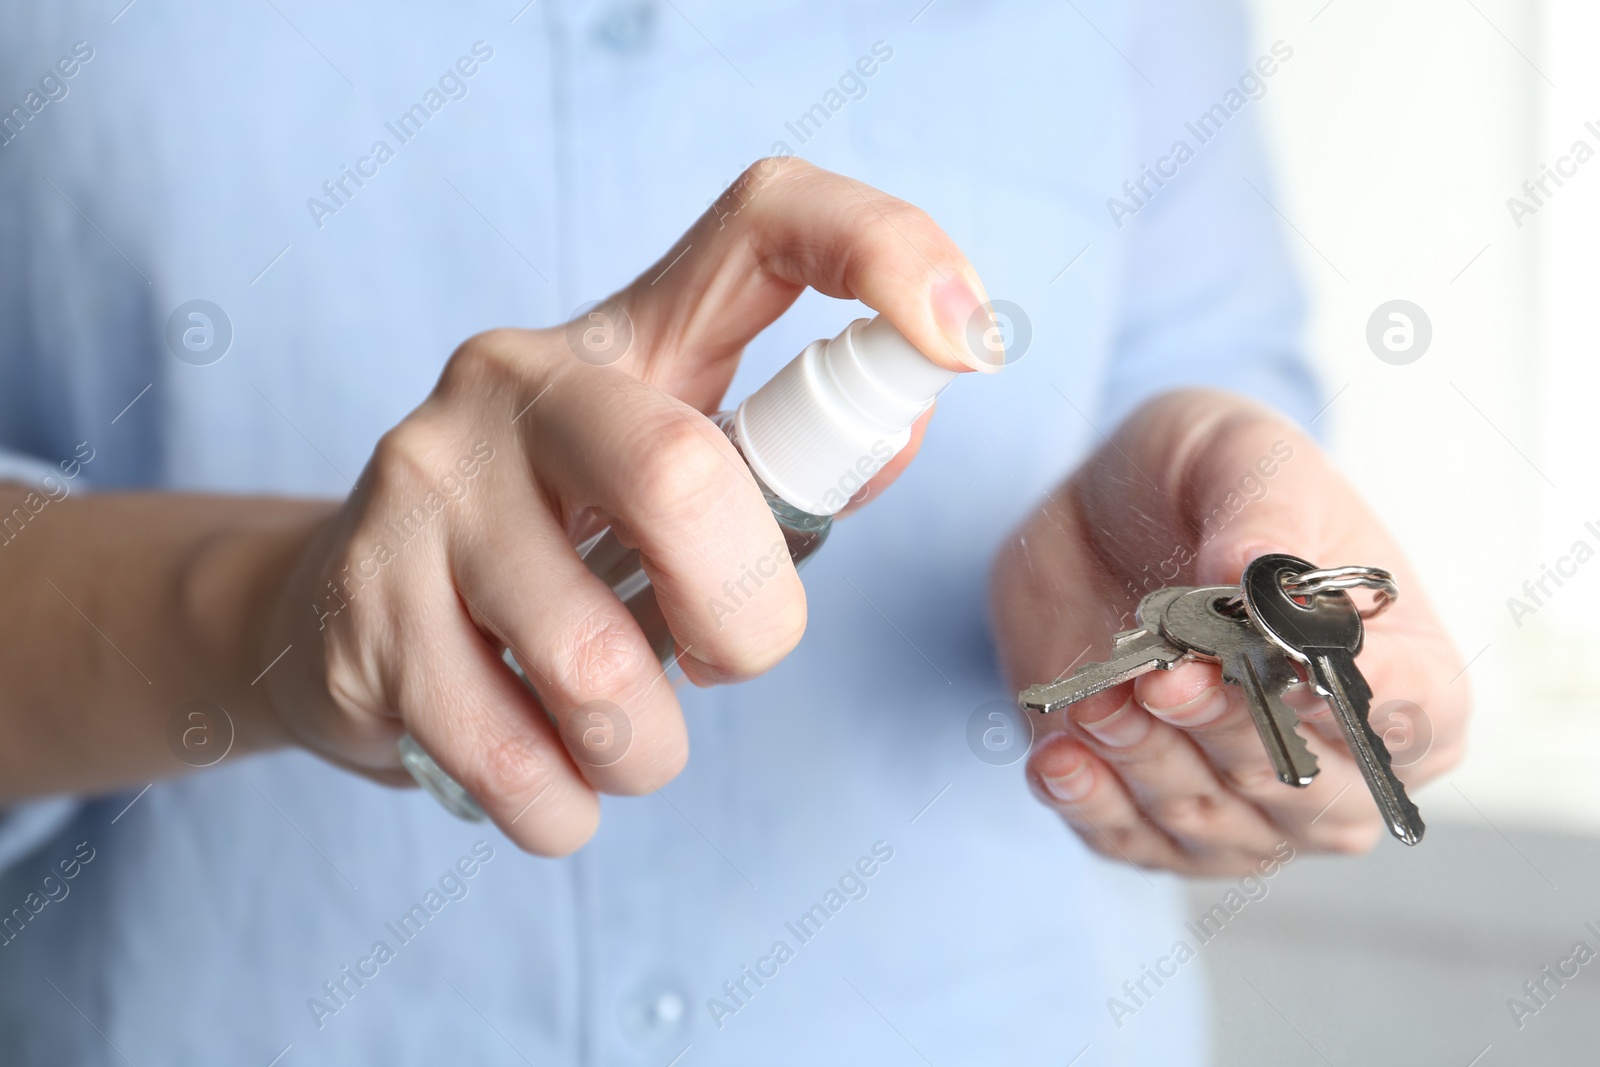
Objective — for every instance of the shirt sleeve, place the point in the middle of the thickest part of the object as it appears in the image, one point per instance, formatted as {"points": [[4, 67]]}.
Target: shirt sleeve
{"points": [[27, 825], [1210, 293], [21, 468]]}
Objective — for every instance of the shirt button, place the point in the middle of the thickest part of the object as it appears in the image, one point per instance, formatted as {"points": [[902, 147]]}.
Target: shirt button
{"points": [[626, 27], [656, 1010], [668, 1009]]}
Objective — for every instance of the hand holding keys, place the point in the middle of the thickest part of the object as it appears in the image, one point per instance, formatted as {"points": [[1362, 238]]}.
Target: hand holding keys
{"points": [[1284, 612]]}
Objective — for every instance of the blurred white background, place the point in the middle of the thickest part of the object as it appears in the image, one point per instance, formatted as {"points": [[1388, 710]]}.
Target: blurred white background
{"points": [[1400, 132]]}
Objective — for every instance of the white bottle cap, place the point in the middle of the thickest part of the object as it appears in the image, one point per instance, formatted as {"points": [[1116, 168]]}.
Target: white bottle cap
{"points": [[836, 413]]}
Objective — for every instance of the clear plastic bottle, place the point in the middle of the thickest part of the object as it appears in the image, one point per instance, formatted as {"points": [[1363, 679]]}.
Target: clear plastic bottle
{"points": [[813, 436]]}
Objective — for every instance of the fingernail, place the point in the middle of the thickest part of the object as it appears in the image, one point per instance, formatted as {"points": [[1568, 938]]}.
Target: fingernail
{"points": [[1123, 728], [954, 305], [1072, 786], [701, 671], [1203, 709]]}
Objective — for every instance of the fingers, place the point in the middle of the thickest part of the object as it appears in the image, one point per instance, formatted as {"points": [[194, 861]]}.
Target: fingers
{"points": [[1217, 720], [625, 441], [1421, 696], [1216, 716], [1146, 796], [783, 226], [677, 489], [585, 655], [1171, 781], [1195, 485], [480, 725], [1408, 655], [1091, 799]]}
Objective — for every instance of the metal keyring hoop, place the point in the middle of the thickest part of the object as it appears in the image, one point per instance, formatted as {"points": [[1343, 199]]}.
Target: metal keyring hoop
{"points": [[1326, 580], [1321, 581]]}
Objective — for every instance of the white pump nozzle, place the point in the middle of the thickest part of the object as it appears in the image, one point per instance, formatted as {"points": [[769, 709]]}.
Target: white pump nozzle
{"points": [[836, 413]]}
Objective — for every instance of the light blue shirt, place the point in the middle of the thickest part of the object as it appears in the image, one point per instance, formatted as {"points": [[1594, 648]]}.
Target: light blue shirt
{"points": [[928, 909]]}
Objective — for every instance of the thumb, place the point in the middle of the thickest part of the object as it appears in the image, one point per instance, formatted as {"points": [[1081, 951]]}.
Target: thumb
{"points": [[785, 226], [1273, 490], [1256, 488]]}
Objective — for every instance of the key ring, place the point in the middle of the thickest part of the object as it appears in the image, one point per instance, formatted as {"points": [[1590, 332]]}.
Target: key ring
{"points": [[1326, 580], [1321, 581]]}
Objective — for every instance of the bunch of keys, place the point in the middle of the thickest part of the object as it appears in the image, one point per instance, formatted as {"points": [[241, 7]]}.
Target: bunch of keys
{"points": [[1283, 612]]}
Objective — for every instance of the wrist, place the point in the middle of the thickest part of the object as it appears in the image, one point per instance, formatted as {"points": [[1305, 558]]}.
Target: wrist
{"points": [[230, 589]]}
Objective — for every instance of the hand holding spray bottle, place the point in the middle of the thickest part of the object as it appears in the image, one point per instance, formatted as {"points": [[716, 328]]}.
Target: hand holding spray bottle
{"points": [[813, 436]]}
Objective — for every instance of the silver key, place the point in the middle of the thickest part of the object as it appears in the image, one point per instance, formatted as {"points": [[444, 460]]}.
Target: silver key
{"points": [[1325, 634], [1134, 652], [1251, 662]]}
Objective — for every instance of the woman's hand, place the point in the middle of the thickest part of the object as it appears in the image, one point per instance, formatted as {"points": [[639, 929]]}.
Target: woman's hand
{"points": [[458, 539], [1168, 771]]}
